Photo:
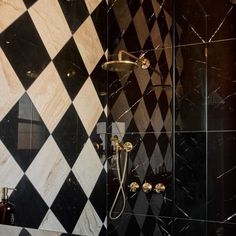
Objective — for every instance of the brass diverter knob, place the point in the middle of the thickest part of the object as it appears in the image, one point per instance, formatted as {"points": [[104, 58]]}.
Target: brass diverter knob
{"points": [[147, 187], [160, 187], [133, 187]]}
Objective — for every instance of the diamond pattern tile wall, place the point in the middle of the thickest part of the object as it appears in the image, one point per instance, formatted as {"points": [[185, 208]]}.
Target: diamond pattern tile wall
{"points": [[51, 85]]}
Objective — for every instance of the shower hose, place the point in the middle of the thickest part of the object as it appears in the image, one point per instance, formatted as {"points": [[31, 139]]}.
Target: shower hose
{"points": [[121, 188]]}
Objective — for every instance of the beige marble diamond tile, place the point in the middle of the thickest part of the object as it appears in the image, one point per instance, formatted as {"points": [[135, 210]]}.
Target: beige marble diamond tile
{"points": [[10, 172], [88, 106], [87, 168], [11, 88], [92, 4], [88, 43], [10, 10], [51, 25], [49, 97], [48, 171]]}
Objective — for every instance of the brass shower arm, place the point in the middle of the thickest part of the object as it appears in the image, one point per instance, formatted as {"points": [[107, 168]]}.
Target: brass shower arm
{"points": [[145, 63]]}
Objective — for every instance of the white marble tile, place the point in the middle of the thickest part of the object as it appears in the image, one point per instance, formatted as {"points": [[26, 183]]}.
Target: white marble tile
{"points": [[11, 88], [51, 24], [10, 10], [92, 4], [87, 168], [49, 97], [50, 222], [88, 106], [88, 43], [36, 232], [89, 222], [10, 172], [7, 230], [48, 171]]}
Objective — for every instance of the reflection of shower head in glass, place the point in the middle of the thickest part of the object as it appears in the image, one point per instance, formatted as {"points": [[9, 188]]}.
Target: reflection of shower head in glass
{"points": [[122, 65]]}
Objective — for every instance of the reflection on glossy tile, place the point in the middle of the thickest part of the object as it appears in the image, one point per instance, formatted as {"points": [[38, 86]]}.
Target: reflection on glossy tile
{"points": [[221, 86], [191, 175], [221, 176], [191, 99], [10, 10], [50, 23]]}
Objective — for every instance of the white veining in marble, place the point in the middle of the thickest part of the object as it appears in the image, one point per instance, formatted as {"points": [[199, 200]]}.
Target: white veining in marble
{"points": [[89, 222], [50, 222]]}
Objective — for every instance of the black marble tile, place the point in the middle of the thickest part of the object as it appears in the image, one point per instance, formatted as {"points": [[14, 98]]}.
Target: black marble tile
{"points": [[163, 65], [24, 49], [139, 225], [133, 6], [220, 228], [23, 132], [221, 176], [29, 3], [99, 17], [103, 231], [191, 21], [221, 85], [131, 38], [75, 12], [99, 192], [149, 13], [71, 68], [24, 232], [30, 207], [220, 20], [161, 20], [114, 32], [70, 135], [69, 203], [190, 177], [190, 99], [189, 227], [100, 81]]}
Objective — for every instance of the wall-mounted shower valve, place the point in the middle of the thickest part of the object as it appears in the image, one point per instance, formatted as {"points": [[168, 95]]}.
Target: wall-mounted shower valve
{"points": [[160, 187], [147, 187], [134, 186]]}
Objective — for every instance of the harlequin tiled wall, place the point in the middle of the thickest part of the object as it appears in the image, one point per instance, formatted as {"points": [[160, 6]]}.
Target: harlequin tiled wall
{"points": [[52, 107]]}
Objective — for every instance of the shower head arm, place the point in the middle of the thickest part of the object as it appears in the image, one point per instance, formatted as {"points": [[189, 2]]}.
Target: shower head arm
{"points": [[145, 63]]}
